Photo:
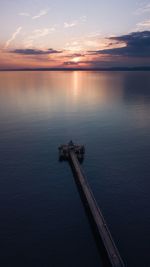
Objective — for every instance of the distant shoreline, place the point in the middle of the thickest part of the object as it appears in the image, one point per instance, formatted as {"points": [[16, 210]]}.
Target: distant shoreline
{"points": [[81, 69]]}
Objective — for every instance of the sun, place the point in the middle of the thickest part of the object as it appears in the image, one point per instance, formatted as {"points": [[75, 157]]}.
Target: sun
{"points": [[76, 59]]}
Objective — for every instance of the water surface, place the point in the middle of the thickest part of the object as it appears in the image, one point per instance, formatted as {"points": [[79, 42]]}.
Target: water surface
{"points": [[43, 222]]}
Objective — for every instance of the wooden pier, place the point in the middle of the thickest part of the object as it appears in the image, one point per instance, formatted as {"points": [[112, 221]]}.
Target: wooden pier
{"points": [[75, 153]]}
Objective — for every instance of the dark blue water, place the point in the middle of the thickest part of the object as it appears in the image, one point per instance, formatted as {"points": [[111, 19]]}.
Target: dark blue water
{"points": [[42, 218]]}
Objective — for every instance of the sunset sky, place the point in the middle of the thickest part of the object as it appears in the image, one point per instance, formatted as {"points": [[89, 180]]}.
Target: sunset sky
{"points": [[74, 34]]}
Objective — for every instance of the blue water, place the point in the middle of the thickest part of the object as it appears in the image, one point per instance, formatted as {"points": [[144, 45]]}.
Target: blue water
{"points": [[42, 218]]}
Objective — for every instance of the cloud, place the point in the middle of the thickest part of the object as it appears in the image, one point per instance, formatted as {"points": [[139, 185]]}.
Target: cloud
{"points": [[70, 63], [144, 25], [24, 14], [42, 32], [13, 37], [136, 44], [143, 9], [73, 46], [35, 51], [40, 14], [75, 55], [36, 34], [70, 24], [75, 22]]}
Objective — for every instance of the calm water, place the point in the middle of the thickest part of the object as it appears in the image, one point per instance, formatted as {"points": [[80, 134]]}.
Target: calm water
{"points": [[42, 219]]}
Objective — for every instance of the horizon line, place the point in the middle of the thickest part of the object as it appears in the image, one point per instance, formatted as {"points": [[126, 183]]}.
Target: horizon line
{"points": [[140, 68]]}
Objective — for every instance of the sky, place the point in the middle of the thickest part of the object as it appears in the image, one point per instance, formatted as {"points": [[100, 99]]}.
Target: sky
{"points": [[74, 34]]}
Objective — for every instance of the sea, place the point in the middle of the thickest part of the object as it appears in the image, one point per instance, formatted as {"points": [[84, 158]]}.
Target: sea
{"points": [[43, 218]]}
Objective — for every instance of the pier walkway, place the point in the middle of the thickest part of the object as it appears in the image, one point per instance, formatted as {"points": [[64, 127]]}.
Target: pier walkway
{"points": [[75, 153]]}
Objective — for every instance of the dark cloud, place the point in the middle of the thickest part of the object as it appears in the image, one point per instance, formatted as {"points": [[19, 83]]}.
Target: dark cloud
{"points": [[35, 51], [70, 63], [75, 55], [137, 45]]}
